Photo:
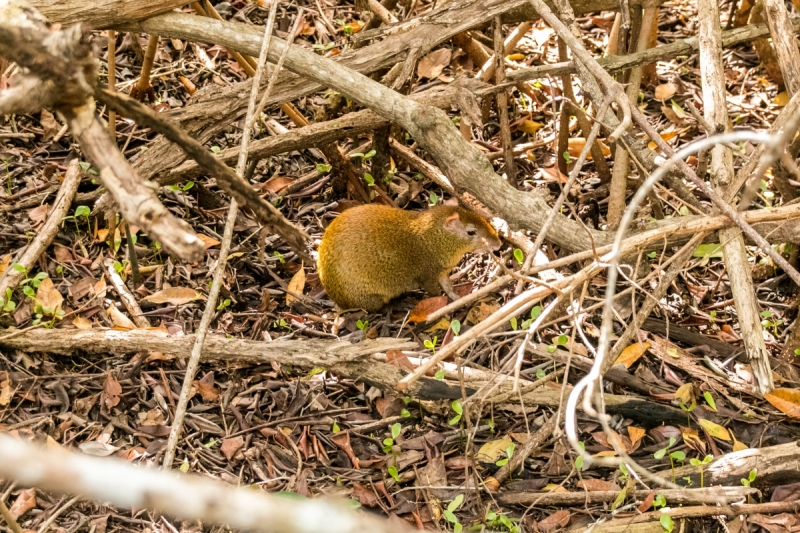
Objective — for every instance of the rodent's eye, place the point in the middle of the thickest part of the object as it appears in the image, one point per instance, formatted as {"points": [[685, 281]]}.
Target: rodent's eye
{"points": [[472, 232]]}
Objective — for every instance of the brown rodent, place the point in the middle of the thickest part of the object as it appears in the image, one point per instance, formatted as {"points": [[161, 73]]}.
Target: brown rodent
{"points": [[373, 253]]}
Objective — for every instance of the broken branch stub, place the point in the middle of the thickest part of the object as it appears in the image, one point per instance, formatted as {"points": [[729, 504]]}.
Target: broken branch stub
{"points": [[59, 70]]}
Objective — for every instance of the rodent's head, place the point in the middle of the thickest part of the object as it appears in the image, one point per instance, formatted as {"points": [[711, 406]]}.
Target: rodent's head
{"points": [[473, 230]]}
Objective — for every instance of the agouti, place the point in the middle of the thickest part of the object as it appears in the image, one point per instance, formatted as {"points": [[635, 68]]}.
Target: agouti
{"points": [[371, 254]]}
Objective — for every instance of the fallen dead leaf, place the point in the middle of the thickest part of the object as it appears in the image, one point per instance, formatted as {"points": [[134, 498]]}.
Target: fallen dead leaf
{"points": [[120, 320], [296, 285], [557, 520], [39, 214], [98, 449], [174, 296], [433, 64], [111, 391], [230, 446], [715, 430], [787, 401], [632, 353], [48, 297], [596, 485], [665, 90], [81, 323], [208, 242], [493, 450], [205, 386], [24, 503], [426, 307]]}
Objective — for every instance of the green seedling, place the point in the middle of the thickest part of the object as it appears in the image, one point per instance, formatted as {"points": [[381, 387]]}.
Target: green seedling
{"points": [[452, 518], [675, 455], [560, 341], [699, 464], [459, 411], [509, 453], [362, 324], [495, 521], [748, 481], [388, 442]]}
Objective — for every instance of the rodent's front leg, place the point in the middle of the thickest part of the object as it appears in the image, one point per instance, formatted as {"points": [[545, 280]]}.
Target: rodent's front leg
{"points": [[447, 285]]}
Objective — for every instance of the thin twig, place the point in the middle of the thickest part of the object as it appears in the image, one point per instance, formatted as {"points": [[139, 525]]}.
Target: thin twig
{"points": [[219, 272]]}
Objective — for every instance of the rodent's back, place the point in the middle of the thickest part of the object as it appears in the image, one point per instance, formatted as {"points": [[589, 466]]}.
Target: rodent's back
{"points": [[366, 257]]}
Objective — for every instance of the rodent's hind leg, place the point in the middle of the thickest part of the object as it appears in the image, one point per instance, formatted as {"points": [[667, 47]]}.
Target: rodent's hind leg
{"points": [[447, 286]]}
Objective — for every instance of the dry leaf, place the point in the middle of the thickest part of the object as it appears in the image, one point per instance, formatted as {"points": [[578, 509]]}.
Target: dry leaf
{"points": [[120, 320], [685, 393], [596, 485], [665, 90], [493, 450], [296, 285], [48, 297], [542, 35], [557, 520], [399, 359], [632, 353], [208, 242], [692, 438], [231, 446], [111, 391], [98, 449], [715, 430], [787, 401], [479, 313], [174, 296], [62, 253], [575, 147], [427, 307], [738, 445], [81, 323], [672, 115], [39, 214], [205, 386], [5, 262], [49, 125], [442, 325], [24, 503], [277, 184], [5, 393], [433, 64], [635, 434], [364, 496]]}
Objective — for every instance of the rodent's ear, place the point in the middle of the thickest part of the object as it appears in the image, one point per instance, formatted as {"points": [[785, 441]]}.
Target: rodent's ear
{"points": [[452, 221], [451, 201]]}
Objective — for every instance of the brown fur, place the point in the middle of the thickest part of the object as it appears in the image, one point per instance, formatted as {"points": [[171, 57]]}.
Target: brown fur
{"points": [[373, 253]]}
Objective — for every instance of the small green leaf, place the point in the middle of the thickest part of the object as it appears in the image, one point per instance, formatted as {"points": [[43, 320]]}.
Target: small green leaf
{"points": [[513, 322], [455, 325], [710, 400], [540, 373], [457, 407], [536, 311], [439, 375], [666, 522], [335, 428], [456, 503], [396, 427], [519, 256]]}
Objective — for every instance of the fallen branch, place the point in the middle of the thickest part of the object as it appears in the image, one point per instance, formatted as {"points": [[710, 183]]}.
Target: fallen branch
{"points": [[44, 237], [180, 495], [673, 496]]}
